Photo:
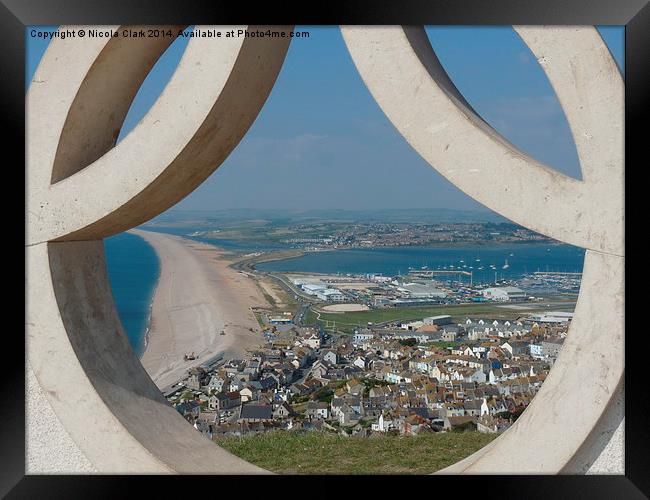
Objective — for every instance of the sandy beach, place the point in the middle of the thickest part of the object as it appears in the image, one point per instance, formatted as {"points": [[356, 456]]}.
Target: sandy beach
{"points": [[197, 297]]}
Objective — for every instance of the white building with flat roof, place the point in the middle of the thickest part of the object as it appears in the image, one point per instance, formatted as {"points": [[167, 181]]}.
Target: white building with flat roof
{"points": [[313, 288], [331, 294], [422, 291], [444, 319], [505, 294], [552, 317]]}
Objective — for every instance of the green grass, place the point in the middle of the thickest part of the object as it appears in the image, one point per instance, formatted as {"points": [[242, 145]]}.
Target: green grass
{"points": [[319, 453], [348, 321], [268, 298], [443, 344], [258, 317]]}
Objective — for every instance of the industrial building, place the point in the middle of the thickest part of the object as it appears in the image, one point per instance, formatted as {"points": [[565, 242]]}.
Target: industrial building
{"points": [[313, 288], [330, 294], [322, 292], [437, 320], [552, 317], [280, 321], [505, 294], [421, 291], [414, 302]]}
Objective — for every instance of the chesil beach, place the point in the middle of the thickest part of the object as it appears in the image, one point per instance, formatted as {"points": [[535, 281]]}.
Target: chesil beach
{"points": [[175, 294], [197, 296]]}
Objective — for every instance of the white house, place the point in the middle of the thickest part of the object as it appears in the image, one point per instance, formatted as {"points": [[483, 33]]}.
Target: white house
{"points": [[477, 376], [330, 357], [413, 325], [246, 394], [485, 409], [360, 362], [382, 425], [395, 378], [361, 336], [536, 351], [313, 341]]}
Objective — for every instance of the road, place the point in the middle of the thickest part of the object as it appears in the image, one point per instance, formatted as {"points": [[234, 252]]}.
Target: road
{"points": [[305, 301]]}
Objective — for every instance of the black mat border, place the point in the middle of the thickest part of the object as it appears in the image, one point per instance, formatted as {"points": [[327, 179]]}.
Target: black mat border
{"points": [[15, 15]]}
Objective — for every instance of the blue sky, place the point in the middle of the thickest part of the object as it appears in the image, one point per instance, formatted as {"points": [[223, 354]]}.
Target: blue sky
{"points": [[321, 141]]}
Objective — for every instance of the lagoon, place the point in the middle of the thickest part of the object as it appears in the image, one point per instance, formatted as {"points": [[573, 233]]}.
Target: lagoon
{"points": [[393, 261]]}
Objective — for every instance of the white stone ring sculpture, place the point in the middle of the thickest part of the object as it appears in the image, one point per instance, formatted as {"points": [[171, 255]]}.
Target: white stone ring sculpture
{"points": [[82, 187], [558, 431]]}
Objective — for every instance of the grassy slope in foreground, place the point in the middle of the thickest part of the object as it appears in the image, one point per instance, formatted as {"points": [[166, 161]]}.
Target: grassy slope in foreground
{"points": [[319, 453]]}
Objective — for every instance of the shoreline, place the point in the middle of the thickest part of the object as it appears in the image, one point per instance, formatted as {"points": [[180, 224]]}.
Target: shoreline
{"points": [[197, 295], [253, 264], [215, 294], [147, 328]]}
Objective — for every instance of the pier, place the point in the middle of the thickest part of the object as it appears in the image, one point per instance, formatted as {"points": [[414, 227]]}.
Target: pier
{"points": [[557, 273], [431, 273]]}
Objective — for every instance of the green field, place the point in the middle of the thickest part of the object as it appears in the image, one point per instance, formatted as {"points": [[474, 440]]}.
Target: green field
{"points": [[319, 453], [348, 321]]}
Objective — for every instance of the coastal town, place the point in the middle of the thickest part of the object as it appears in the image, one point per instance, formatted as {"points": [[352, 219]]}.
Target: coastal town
{"points": [[390, 250], [409, 234], [421, 288], [333, 235], [427, 375], [344, 354]]}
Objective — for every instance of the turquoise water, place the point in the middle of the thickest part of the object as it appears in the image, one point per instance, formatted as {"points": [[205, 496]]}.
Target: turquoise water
{"points": [[133, 271], [133, 267]]}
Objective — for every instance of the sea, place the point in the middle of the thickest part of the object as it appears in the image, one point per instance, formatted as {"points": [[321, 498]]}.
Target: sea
{"points": [[133, 267], [133, 271]]}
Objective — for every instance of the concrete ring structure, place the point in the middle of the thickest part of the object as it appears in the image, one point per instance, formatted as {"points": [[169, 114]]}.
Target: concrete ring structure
{"points": [[90, 388], [572, 410], [83, 187]]}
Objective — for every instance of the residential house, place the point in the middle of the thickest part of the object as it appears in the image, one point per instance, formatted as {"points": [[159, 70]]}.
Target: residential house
{"points": [[197, 378], [360, 361], [247, 394], [255, 413], [282, 410], [354, 387], [226, 400], [317, 409], [330, 356]]}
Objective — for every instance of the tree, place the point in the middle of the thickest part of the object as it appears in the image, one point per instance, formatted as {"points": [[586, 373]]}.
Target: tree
{"points": [[408, 342]]}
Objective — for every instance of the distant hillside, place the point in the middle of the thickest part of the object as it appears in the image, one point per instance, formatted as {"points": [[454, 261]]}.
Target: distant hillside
{"points": [[409, 215]]}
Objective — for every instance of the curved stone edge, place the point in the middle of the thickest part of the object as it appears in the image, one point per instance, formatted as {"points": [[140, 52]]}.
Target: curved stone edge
{"points": [[93, 381], [100, 105], [49, 449], [611, 460], [604, 450], [211, 101], [568, 411], [471, 463], [590, 89], [404, 76], [406, 79]]}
